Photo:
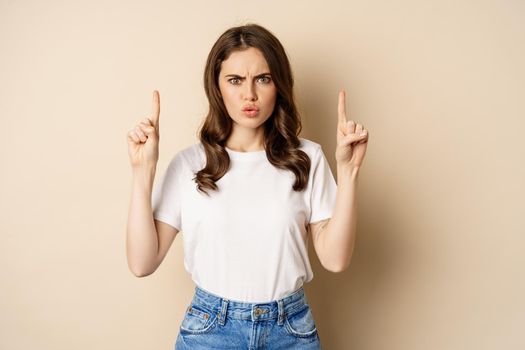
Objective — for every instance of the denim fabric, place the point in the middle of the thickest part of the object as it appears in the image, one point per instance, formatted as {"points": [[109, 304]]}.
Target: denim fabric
{"points": [[213, 322]]}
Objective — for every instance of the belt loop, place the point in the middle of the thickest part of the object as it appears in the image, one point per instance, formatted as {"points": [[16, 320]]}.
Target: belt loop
{"points": [[222, 313], [280, 305]]}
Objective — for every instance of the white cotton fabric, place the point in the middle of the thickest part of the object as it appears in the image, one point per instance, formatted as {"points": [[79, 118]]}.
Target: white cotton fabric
{"points": [[248, 241]]}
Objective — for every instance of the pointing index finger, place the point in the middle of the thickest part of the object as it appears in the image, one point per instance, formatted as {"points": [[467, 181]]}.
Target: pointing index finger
{"points": [[341, 111], [155, 111]]}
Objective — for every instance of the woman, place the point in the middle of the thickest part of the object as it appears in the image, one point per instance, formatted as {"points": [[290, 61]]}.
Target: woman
{"points": [[245, 197]]}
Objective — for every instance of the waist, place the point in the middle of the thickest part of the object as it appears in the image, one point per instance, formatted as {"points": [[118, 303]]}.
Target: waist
{"points": [[287, 305]]}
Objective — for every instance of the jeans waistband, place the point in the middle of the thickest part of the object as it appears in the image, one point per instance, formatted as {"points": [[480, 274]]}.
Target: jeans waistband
{"points": [[227, 308]]}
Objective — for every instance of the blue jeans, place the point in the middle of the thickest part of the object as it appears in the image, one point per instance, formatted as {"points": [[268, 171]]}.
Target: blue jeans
{"points": [[213, 322]]}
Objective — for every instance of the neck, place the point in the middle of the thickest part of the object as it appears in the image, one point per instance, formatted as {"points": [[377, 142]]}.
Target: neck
{"points": [[246, 140]]}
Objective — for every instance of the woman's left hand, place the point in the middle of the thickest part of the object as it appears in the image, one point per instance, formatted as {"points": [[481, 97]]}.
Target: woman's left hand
{"points": [[351, 144]]}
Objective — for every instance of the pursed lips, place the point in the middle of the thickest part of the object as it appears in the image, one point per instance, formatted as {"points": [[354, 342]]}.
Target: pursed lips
{"points": [[250, 108]]}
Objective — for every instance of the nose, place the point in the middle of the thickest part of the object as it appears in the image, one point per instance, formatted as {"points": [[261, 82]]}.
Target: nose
{"points": [[249, 92]]}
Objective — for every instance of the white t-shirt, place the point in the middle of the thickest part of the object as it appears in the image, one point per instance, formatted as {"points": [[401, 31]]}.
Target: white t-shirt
{"points": [[248, 241]]}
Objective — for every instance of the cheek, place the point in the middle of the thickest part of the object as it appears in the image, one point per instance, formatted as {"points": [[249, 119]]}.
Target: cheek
{"points": [[227, 97], [272, 96], [267, 93], [227, 91], [273, 92]]}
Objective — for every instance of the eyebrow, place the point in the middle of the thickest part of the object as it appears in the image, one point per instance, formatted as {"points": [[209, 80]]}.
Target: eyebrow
{"points": [[236, 75]]}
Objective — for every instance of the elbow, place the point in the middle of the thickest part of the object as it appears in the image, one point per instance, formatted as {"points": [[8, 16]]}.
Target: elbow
{"points": [[341, 265], [140, 267], [139, 271], [337, 268]]}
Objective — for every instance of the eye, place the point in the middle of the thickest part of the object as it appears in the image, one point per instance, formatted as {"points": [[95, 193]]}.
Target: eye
{"points": [[232, 79], [268, 79]]}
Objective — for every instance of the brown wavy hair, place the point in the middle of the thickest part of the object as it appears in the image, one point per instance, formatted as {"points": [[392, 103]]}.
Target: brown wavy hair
{"points": [[281, 129]]}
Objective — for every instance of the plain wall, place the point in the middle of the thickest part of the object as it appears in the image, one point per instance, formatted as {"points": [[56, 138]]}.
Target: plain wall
{"points": [[439, 85]]}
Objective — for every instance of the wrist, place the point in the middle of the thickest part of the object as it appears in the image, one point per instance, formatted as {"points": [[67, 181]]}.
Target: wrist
{"points": [[347, 171], [144, 175]]}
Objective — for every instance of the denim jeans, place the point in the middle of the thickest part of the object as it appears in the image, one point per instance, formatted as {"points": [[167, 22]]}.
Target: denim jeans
{"points": [[213, 322]]}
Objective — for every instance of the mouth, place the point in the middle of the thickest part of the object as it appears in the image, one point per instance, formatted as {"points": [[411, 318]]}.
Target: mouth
{"points": [[250, 112], [248, 109]]}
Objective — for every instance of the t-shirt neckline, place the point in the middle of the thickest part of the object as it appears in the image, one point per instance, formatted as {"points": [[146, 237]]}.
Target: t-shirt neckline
{"points": [[251, 155]]}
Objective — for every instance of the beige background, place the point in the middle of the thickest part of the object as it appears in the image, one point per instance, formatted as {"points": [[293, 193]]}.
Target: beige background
{"points": [[439, 261]]}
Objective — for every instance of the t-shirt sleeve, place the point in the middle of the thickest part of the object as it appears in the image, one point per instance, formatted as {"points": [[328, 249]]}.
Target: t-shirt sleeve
{"points": [[166, 194], [324, 188]]}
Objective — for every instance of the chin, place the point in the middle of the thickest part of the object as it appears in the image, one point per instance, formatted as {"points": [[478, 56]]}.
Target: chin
{"points": [[250, 124], [243, 120]]}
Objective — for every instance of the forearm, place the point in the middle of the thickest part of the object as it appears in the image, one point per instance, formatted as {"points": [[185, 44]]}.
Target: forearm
{"points": [[340, 233], [142, 239]]}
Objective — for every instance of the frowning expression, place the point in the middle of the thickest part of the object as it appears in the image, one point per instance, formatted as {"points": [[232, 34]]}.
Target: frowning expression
{"points": [[245, 82]]}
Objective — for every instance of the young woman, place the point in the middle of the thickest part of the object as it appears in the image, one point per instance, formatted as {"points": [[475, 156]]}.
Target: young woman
{"points": [[246, 197]]}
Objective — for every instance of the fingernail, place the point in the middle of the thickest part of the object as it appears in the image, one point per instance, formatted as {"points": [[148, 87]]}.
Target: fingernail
{"points": [[363, 133]]}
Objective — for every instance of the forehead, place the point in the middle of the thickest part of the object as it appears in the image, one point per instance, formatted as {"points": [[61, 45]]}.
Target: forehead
{"points": [[250, 60]]}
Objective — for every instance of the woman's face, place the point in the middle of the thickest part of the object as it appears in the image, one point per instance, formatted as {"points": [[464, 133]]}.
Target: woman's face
{"points": [[245, 80]]}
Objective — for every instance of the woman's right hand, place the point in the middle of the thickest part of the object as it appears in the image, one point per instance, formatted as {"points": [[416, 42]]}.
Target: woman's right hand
{"points": [[143, 139]]}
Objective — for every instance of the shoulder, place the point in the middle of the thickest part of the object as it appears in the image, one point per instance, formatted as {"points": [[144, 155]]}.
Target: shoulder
{"points": [[311, 148], [192, 157]]}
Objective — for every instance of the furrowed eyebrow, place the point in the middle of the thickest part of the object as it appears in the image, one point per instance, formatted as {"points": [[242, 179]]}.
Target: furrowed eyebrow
{"points": [[238, 76]]}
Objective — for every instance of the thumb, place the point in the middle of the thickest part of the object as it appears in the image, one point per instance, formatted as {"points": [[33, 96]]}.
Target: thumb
{"points": [[353, 137], [155, 110], [148, 130]]}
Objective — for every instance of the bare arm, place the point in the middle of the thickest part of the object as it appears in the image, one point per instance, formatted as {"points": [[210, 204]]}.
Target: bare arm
{"points": [[334, 238], [148, 240], [335, 242]]}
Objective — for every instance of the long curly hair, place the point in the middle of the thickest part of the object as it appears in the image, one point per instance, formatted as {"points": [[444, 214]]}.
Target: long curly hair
{"points": [[281, 129]]}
